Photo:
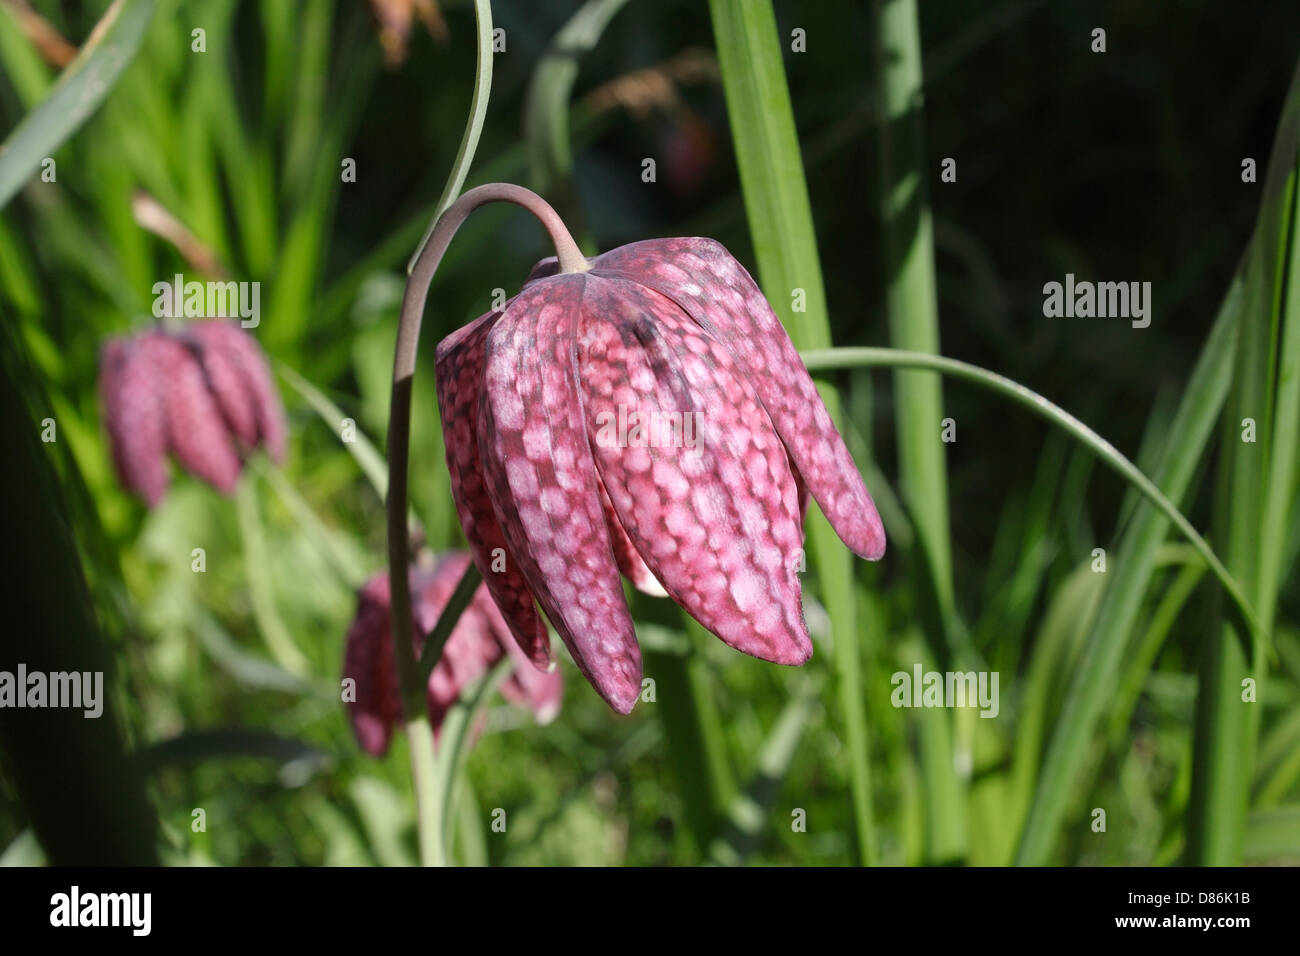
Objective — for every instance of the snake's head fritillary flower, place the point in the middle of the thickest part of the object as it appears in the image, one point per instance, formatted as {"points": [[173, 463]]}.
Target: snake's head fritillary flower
{"points": [[649, 415], [479, 641], [204, 393]]}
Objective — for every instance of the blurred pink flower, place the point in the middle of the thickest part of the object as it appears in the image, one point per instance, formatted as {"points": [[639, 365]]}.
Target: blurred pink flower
{"points": [[204, 393], [478, 642], [536, 400]]}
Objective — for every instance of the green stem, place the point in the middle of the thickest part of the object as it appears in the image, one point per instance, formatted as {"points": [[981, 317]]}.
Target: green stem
{"points": [[409, 670], [456, 604], [913, 310], [473, 126], [429, 807], [429, 813], [823, 359], [457, 732]]}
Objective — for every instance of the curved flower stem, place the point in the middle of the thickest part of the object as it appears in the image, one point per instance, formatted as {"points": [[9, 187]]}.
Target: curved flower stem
{"points": [[822, 359], [419, 734], [409, 670]]}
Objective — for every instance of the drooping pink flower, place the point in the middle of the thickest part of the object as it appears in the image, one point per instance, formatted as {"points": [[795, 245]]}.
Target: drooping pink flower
{"points": [[534, 401], [203, 393], [478, 642]]}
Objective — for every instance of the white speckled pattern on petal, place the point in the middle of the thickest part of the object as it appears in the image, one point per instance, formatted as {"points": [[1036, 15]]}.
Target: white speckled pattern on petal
{"points": [[716, 523], [460, 391], [715, 290], [542, 483]]}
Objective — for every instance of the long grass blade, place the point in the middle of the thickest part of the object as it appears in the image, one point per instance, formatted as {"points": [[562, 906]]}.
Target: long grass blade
{"points": [[894, 358], [77, 93], [780, 222], [473, 125], [1250, 511]]}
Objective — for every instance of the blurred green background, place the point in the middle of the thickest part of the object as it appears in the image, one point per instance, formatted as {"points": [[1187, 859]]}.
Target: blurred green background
{"points": [[1117, 166]]}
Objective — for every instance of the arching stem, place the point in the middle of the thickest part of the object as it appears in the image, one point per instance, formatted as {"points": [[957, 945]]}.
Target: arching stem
{"points": [[419, 735]]}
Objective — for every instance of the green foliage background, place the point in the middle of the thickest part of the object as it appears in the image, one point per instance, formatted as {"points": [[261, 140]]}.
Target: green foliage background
{"points": [[1117, 166]]}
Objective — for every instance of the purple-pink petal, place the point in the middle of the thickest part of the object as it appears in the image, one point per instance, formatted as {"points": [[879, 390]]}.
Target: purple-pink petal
{"points": [[226, 379], [243, 352], [134, 418], [541, 481], [196, 431], [710, 504], [716, 291], [460, 386], [368, 661]]}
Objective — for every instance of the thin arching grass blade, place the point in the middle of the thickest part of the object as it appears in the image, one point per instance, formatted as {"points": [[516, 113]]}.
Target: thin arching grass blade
{"points": [[76, 94]]}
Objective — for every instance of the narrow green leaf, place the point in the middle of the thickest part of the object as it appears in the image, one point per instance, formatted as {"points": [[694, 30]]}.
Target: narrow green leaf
{"points": [[361, 448], [866, 357], [1249, 514], [1093, 683], [781, 225], [79, 90], [473, 125]]}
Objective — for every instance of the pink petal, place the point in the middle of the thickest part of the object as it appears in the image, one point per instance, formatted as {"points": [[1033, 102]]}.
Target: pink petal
{"points": [[226, 379], [196, 432], [629, 562], [542, 483], [368, 660], [471, 648], [716, 291], [625, 553], [711, 505], [134, 418], [459, 385], [243, 352]]}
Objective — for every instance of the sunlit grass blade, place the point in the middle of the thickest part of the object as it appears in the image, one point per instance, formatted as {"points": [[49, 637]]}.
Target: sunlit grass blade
{"points": [[260, 575], [79, 90], [1251, 509], [361, 448], [913, 310], [1093, 683], [865, 357], [455, 737], [911, 297], [780, 223]]}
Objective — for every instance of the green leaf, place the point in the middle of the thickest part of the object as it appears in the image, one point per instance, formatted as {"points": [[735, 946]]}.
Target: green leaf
{"points": [[781, 226], [866, 357], [1250, 511], [76, 94], [1098, 671]]}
